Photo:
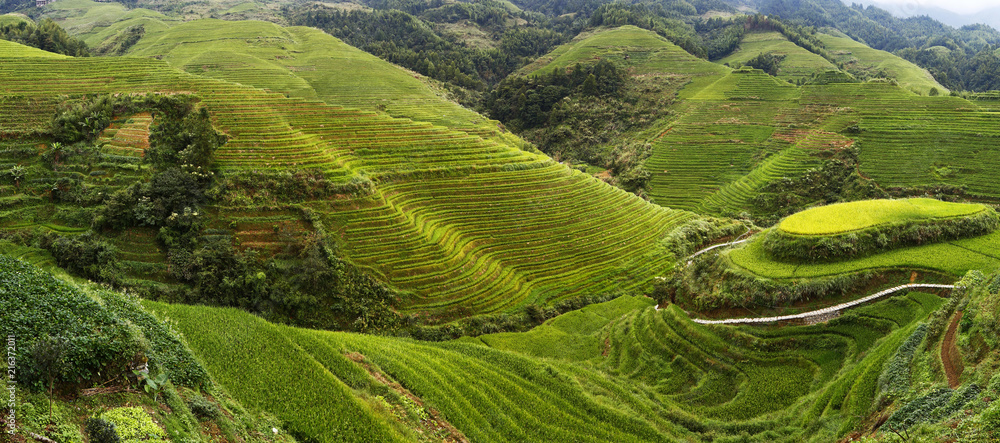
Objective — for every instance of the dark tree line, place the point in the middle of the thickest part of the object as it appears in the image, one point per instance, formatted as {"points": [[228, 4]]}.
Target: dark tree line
{"points": [[46, 35], [412, 42]]}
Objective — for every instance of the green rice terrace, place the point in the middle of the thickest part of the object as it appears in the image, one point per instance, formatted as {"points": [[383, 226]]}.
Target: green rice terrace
{"points": [[659, 227], [855, 216]]}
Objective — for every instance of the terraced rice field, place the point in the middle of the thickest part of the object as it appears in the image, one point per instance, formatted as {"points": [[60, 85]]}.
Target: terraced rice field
{"points": [[908, 140], [735, 135], [854, 54], [731, 139], [954, 257], [853, 216], [460, 223], [306, 63], [129, 138], [669, 377], [798, 62]]}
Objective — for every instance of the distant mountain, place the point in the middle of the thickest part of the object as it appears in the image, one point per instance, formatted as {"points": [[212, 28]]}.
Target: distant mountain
{"points": [[990, 16]]}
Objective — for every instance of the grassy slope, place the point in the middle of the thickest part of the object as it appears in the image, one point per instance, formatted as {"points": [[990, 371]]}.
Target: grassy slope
{"points": [[617, 371], [798, 62], [304, 62], [908, 75], [732, 136], [544, 233], [853, 216], [909, 140], [647, 51], [13, 19], [82, 17]]}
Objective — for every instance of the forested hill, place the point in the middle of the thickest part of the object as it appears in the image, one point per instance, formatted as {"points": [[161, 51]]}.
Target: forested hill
{"points": [[473, 45], [960, 59]]}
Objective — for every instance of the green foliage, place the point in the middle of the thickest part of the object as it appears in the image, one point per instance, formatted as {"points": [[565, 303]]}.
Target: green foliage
{"points": [[319, 289], [134, 425], [152, 385], [202, 408], [166, 350], [262, 187], [189, 142], [721, 35], [711, 281], [934, 407], [895, 378], [100, 430], [89, 255], [768, 63], [43, 312], [526, 102], [410, 41], [46, 35], [77, 121]]}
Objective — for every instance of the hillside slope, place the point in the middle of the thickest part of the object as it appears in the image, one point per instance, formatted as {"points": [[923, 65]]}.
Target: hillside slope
{"points": [[461, 224], [798, 62], [855, 55], [618, 371], [304, 62]]}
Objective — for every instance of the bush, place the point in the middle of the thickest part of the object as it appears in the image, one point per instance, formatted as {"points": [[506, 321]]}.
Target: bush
{"points": [[165, 348], [203, 408], [134, 425], [100, 430], [895, 377], [88, 255]]}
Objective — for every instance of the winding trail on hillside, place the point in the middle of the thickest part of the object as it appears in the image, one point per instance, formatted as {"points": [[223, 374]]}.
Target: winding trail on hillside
{"points": [[950, 356], [720, 245], [820, 313]]}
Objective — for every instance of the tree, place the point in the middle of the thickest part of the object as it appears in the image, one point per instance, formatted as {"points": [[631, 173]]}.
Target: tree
{"points": [[48, 356], [590, 85], [17, 172]]}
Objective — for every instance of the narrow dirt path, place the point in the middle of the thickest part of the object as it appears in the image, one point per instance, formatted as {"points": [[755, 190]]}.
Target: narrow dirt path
{"points": [[950, 356], [820, 312]]}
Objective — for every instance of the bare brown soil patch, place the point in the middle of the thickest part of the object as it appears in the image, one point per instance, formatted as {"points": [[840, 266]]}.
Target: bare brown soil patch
{"points": [[950, 356]]}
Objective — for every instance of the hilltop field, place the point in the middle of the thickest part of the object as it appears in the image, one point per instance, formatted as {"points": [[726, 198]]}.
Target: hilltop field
{"points": [[217, 227]]}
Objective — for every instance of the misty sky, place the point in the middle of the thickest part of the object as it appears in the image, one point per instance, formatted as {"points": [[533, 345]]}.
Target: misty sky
{"points": [[959, 6]]}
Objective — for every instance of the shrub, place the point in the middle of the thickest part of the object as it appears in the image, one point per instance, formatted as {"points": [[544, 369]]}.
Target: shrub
{"points": [[203, 408], [134, 425], [100, 430], [165, 348], [895, 377]]}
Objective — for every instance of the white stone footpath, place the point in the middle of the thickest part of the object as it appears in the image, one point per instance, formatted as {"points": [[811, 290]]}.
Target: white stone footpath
{"points": [[823, 311]]}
